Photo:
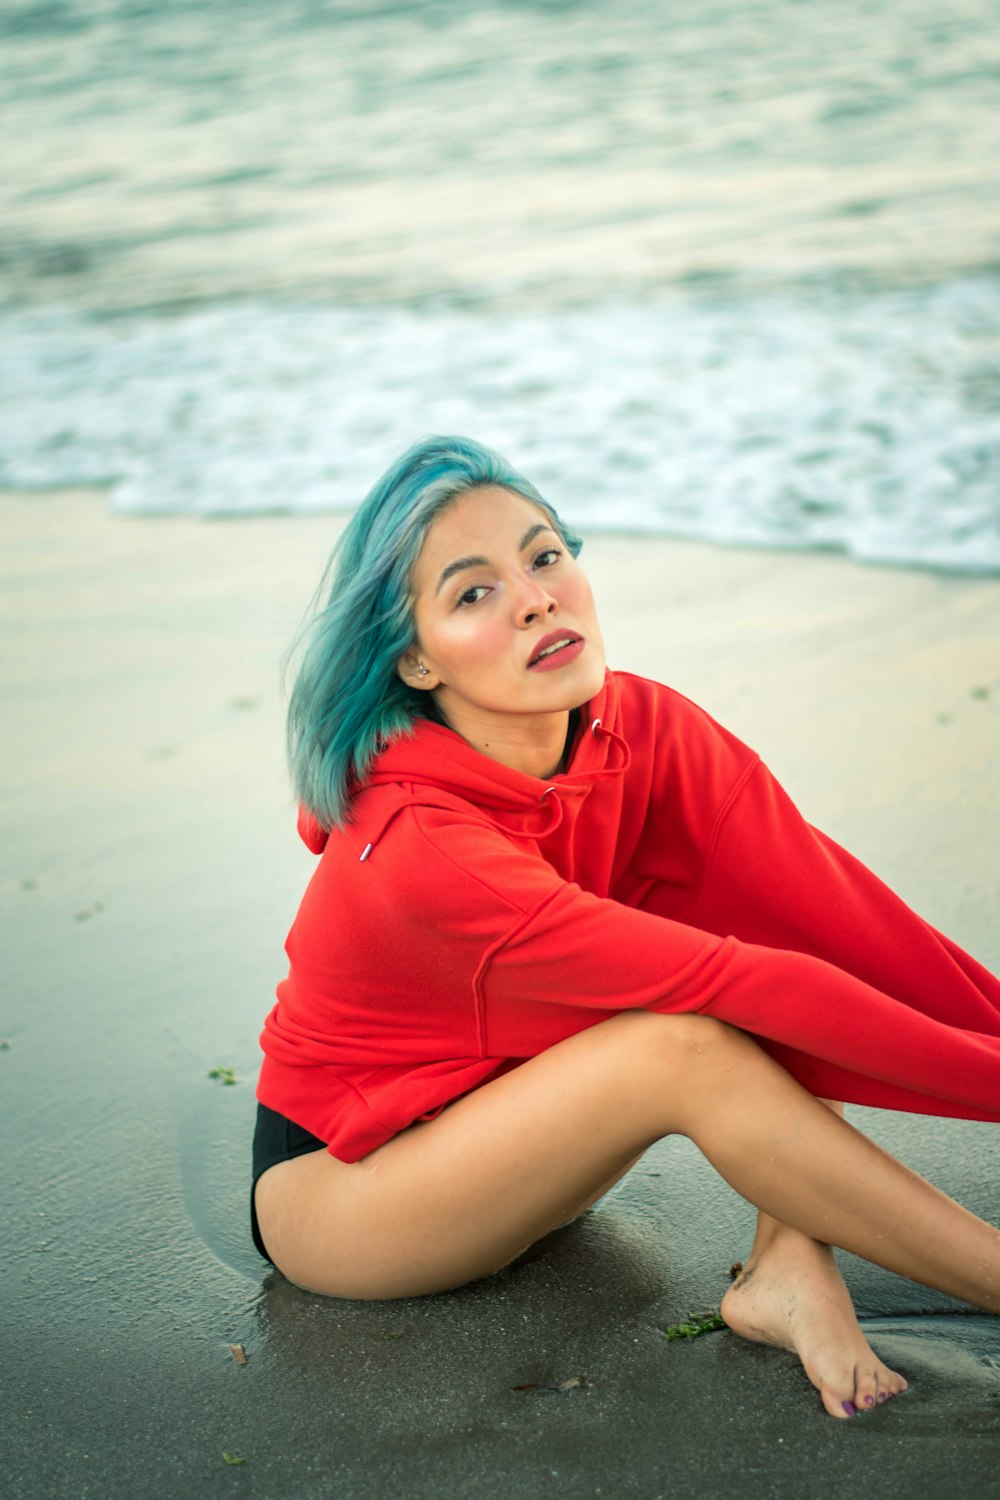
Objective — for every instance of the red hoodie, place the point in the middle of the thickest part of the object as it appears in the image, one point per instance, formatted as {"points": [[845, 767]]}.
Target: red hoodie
{"points": [[471, 916]]}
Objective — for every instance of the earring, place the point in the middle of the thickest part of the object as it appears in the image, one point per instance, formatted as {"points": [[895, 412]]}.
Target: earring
{"points": [[422, 670]]}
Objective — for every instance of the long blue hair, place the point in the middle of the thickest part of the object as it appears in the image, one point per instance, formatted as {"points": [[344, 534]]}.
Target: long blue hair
{"points": [[348, 700]]}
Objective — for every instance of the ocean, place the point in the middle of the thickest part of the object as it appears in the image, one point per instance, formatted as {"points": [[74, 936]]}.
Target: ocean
{"points": [[729, 270]]}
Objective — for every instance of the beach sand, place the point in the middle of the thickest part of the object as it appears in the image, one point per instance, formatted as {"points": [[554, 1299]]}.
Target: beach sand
{"points": [[150, 871]]}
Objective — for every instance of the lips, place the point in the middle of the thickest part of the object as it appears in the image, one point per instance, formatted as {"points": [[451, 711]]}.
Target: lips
{"points": [[552, 646]]}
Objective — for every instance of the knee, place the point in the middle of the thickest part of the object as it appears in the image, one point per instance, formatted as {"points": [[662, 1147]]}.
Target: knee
{"points": [[689, 1045]]}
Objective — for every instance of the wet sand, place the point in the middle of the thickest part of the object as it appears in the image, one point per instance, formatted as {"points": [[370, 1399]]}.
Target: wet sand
{"points": [[149, 874]]}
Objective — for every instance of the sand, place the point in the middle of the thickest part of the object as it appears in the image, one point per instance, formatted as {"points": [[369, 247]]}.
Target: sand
{"points": [[149, 874]]}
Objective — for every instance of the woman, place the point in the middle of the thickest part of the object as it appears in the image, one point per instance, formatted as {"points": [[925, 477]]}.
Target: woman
{"points": [[552, 903]]}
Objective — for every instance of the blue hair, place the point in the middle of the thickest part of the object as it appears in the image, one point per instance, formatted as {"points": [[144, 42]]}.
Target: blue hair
{"points": [[348, 700]]}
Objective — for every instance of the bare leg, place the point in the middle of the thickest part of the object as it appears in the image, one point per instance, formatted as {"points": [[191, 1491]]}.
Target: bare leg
{"points": [[459, 1197], [790, 1293]]}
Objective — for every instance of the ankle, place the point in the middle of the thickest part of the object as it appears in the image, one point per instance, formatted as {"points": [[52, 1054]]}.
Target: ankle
{"points": [[774, 1238]]}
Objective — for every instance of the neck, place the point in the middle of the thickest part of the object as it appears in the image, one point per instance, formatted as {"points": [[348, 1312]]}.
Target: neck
{"points": [[535, 746]]}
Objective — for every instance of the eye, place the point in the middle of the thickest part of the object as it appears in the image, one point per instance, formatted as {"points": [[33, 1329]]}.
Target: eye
{"points": [[472, 595], [548, 557]]}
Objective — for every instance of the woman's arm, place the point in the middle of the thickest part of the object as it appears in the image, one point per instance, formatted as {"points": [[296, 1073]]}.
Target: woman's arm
{"points": [[773, 879], [562, 958]]}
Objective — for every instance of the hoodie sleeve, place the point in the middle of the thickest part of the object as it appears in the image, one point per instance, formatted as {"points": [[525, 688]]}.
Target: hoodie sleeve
{"points": [[774, 879], [568, 958]]}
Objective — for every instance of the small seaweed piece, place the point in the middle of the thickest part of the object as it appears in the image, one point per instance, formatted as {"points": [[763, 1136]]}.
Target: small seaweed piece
{"points": [[232, 1459], [224, 1075], [88, 912], [694, 1327], [574, 1383]]}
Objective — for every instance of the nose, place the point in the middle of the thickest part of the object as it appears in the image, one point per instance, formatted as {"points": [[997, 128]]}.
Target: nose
{"points": [[533, 603]]}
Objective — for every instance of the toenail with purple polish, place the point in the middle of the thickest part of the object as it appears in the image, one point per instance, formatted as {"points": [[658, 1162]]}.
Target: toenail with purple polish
{"points": [[869, 1401], [881, 1395], [850, 1408]]}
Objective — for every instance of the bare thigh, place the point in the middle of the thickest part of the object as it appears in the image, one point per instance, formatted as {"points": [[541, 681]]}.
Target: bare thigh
{"points": [[326, 1176], [462, 1195]]}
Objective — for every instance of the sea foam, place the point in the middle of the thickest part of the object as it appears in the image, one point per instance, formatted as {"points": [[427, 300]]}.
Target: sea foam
{"points": [[809, 417]]}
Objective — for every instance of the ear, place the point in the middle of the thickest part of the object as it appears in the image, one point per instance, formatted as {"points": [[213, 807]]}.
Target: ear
{"points": [[416, 673]]}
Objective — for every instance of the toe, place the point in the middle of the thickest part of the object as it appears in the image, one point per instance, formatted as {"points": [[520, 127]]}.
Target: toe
{"points": [[889, 1384], [866, 1388], [837, 1403]]}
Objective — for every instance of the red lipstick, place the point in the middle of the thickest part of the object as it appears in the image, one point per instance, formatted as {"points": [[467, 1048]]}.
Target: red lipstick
{"points": [[556, 649]]}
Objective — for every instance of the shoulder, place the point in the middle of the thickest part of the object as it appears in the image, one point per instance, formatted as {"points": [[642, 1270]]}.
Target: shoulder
{"points": [[644, 698], [676, 724], [432, 851]]}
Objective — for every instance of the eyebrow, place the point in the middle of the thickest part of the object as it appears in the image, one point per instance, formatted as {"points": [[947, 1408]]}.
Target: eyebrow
{"points": [[461, 563]]}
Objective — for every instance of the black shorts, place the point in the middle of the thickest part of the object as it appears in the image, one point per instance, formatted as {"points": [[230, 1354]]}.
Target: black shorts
{"points": [[275, 1138]]}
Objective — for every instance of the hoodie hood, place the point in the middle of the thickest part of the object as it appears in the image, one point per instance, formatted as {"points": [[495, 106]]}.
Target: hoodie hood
{"points": [[435, 767]]}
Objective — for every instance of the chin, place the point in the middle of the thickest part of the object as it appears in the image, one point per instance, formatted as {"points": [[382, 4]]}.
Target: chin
{"points": [[587, 686]]}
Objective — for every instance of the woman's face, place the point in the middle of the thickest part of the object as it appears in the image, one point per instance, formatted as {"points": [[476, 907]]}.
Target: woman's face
{"points": [[505, 622]]}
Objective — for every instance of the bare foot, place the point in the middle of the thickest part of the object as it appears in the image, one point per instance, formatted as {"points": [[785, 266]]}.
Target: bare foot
{"points": [[792, 1294]]}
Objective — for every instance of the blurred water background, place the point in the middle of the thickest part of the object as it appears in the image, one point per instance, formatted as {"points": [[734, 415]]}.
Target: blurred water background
{"points": [[727, 270]]}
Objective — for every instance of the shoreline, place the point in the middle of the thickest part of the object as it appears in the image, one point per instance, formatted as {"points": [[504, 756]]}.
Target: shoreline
{"points": [[335, 516]]}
